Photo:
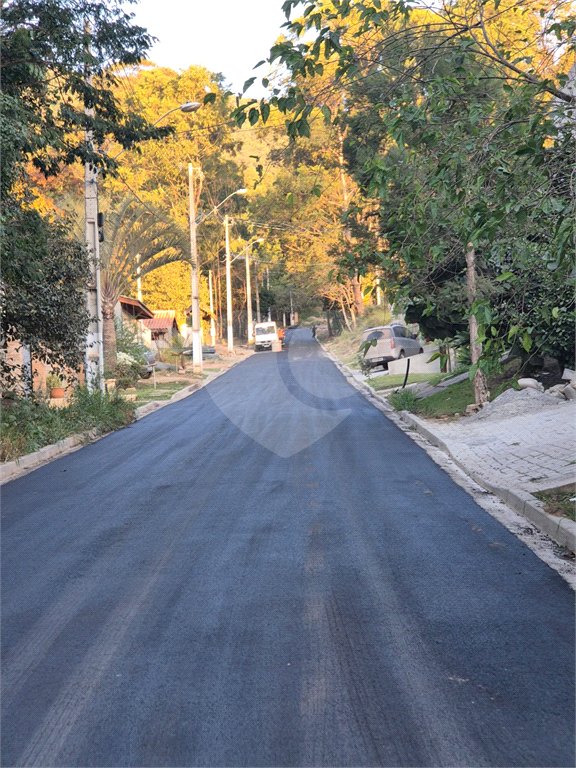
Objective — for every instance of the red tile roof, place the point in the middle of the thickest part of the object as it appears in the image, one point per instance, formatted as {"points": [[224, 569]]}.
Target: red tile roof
{"points": [[135, 308]]}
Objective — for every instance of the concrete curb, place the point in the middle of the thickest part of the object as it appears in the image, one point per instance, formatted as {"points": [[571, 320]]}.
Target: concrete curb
{"points": [[12, 470], [559, 529]]}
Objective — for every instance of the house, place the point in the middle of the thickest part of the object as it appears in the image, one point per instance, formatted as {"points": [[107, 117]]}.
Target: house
{"points": [[135, 313], [162, 327]]}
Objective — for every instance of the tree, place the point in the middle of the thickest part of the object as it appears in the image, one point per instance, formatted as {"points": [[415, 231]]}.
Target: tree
{"points": [[44, 278], [139, 241], [456, 116], [57, 79]]}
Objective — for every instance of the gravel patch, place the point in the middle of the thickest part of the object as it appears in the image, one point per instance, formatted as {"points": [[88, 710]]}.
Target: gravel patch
{"points": [[516, 403]]}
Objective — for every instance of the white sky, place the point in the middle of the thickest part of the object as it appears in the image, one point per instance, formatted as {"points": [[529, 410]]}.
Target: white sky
{"points": [[228, 36]]}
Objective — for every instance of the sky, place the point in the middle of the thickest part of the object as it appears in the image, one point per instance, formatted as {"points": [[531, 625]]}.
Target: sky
{"points": [[228, 36]]}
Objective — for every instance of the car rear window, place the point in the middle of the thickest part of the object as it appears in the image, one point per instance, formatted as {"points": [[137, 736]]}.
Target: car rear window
{"points": [[381, 333], [400, 331]]}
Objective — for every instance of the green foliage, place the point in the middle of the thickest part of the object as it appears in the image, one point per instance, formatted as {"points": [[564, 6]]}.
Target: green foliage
{"points": [[45, 61], [128, 342], [404, 400], [53, 381], [127, 371], [45, 273], [28, 424]]}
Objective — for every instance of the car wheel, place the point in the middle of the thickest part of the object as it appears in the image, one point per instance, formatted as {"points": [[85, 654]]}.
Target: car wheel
{"points": [[420, 351]]}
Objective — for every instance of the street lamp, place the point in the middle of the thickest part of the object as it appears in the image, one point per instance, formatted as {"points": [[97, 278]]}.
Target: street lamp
{"points": [[94, 352]]}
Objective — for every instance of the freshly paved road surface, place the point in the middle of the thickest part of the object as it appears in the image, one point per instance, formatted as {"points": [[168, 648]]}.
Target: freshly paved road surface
{"points": [[270, 573]]}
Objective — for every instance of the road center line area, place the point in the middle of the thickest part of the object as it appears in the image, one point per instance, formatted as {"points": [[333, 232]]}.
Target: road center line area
{"points": [[271, 573]]}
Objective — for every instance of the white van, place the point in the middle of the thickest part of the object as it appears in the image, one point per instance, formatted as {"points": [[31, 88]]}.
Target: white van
{"points": [[264, 335]]}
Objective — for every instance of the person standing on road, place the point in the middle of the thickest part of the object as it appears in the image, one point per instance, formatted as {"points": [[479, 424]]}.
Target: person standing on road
{"points": [[313, 331]]}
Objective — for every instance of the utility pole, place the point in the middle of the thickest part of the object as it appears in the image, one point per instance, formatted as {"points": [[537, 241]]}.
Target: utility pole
{"points": [[229, 329], [196, 337], [291, 309], [94, 354], [249, 297], [258, 318], [212, 324]]}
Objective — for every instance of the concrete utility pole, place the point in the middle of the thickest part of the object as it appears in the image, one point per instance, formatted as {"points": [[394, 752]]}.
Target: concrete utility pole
{"points": [[212, 323], [258, 318], [229, 329], [196, 337], [94, 353], [249, 297]]}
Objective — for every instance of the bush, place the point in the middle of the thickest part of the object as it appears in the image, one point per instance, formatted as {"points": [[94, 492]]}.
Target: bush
{"points": [[127, 342], [127, 370], [403, 400], [28, 423]]}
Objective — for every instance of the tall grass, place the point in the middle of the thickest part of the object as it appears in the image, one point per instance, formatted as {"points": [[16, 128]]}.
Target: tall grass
{"points": [[28, 424]]}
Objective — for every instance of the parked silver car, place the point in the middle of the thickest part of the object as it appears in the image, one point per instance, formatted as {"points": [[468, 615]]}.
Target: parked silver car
{"points": [[389, 342]]}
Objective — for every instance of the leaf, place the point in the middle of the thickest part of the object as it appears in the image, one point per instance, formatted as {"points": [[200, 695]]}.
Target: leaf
{"points": [[290, 198], [210, 98], [504, 276], [555, 313], [264, 111], [316, 191], [527, 341], [247, 84]]}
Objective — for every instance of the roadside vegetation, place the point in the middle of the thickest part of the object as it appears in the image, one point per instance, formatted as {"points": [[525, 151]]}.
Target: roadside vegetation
{"points": [[557, 502], [28, 424]]}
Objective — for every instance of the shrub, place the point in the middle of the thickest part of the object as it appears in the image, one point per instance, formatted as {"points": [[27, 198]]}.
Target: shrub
{"points": [[403, 400], [28, 423], [127, 341], [127, 370]]}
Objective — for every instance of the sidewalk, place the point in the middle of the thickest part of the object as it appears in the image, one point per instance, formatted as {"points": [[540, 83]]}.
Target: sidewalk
{"points": [[510, 456]]}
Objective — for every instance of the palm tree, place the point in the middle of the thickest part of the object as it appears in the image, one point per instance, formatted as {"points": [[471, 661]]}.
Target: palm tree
{"points": [[137, 242]]}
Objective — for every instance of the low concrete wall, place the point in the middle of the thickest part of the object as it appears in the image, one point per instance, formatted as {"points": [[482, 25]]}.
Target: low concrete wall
{"points": [[418, 364]]}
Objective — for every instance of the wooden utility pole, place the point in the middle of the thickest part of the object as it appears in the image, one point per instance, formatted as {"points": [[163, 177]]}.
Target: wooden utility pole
{"points": [[481, 393]]}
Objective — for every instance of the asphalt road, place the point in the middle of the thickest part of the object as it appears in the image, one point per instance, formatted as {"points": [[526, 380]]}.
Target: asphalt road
{"points": [[271, 573]]}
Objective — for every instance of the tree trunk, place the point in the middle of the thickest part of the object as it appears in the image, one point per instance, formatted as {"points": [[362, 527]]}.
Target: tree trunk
{"points": [[481, 393], [358, 297], [328, 323], [109, 334]]}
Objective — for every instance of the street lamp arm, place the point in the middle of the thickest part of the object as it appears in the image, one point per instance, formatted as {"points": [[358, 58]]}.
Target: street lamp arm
{"points": [[189, 106]]}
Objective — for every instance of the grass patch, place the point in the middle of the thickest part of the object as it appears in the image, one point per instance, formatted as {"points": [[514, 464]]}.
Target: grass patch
{"points": [[396, 380], [145, 393], [28, 424], [558, 503], [451, 400]]}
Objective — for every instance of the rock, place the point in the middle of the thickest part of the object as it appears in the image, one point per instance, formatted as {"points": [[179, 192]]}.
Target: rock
{"points": [[569, 375], [556, 393], [557, 389], [473, 408], [569, 392], [530, 384]]}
